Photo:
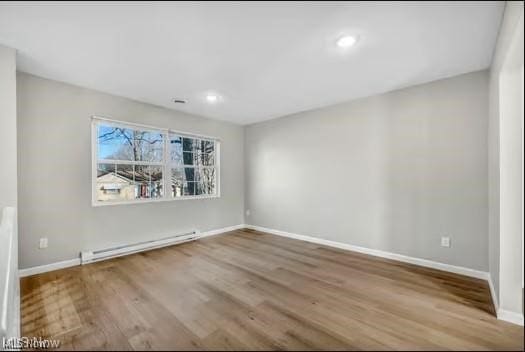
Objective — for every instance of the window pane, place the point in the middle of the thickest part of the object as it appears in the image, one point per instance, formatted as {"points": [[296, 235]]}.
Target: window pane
{"points": [[206, 159], [148, 181], [156, 173], [176, 149], [189, 158], [104, 169], [189, 144], [149, 146], [142, 173], [192, 181], [177, 180], [206, 181], [189, 174], [205, 188], [125, 172], [115, 143], [188, 189], [205, 174], [208, 146], [204, 155], [112, 185], [193, 151], [180, 175]]}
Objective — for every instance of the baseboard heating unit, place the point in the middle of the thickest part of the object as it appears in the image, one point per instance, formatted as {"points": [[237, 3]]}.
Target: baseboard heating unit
{"points": [[102, 254]]}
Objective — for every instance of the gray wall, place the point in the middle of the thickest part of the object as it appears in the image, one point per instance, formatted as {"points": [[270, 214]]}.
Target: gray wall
{"points": [[393, 172], [8, 173], [54, 144], [509, 26]]}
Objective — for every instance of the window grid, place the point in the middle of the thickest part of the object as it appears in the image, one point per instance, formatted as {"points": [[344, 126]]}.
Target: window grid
{"points": [[166, 165]]}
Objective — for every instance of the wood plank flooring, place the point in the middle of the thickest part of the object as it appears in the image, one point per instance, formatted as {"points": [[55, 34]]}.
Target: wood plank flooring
{"points": [[247, 290]]}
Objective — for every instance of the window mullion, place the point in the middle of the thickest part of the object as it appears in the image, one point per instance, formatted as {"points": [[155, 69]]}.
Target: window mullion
{"points": [[166, 179]]}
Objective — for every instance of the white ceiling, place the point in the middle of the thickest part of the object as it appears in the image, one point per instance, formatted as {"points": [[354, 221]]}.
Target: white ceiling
{"points": [[265, 59]]}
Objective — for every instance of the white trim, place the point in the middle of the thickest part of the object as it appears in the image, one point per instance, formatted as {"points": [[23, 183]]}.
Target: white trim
{"points": [[378, 253], [493, 294], [155, 200], [511, 317], [94, 167], [74, 262], [9, 282], [152, 128], [223, 230], [48, 267], [217, 148], [131, 162]]}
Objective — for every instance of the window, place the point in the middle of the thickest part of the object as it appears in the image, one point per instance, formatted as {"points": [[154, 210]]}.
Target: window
{"points": [[133, 163], [192, 166]]}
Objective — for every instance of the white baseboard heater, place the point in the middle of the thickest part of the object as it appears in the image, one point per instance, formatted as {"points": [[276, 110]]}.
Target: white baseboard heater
{"points": [[102, 254]]}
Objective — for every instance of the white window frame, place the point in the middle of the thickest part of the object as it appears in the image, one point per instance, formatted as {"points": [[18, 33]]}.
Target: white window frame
{"points": [[165, 163]]}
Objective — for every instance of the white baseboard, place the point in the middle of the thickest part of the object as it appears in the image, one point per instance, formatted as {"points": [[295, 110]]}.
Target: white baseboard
{"points": [[511, 317], [495, 300], [502, 314], [378, 253], [48, 267], [73, 262], [223, 230]]}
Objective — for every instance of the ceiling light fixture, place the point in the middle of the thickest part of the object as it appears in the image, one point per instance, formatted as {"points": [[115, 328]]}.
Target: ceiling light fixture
{"points": [[346, 41], [212, 98]]}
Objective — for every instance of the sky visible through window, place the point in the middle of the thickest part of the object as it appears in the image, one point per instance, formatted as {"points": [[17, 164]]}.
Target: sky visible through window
{"points": [[128, 144], [108, 147]]}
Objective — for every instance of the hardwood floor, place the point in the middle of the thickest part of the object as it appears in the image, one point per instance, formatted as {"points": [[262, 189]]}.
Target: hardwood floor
{"points": [[251, 290]]}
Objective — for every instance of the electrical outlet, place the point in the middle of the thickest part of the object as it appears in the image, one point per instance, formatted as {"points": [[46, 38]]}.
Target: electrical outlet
{"points": [[248, 212], [42, 243], [445, 242]]}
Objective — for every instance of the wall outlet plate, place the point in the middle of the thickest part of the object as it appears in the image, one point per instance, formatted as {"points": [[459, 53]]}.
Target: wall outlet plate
{"points": [[42, 243], [445, 242]]}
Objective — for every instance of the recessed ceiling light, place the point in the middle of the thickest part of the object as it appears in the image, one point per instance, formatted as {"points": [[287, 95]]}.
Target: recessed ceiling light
{"points": [[212, 98], [346, 41]]}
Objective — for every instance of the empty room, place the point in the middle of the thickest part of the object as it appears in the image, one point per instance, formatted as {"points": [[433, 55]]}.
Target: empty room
{"points": [[261, 175]]}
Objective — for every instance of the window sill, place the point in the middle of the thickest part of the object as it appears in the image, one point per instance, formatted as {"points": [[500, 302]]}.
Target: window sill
{"points": [[142, 201]]}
